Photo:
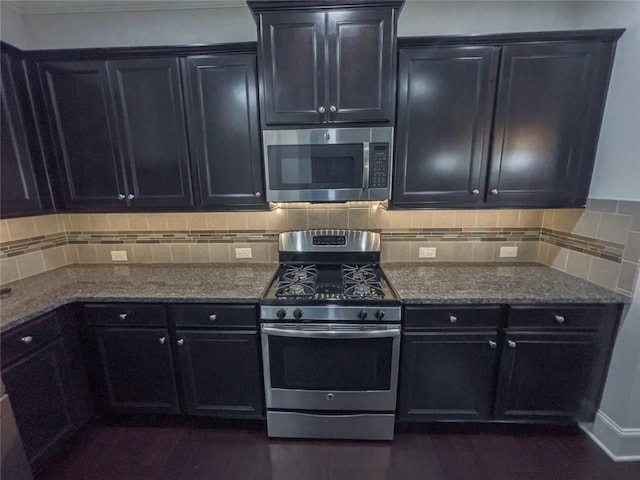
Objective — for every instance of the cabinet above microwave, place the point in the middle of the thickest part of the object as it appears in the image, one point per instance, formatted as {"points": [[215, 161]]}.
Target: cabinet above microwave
{"points": [[327, 62]]}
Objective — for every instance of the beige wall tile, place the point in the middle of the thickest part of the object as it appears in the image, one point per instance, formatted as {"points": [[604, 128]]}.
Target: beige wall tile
{"points": [[444, 218], [614, 227], [628, 276], [142, 253], [100, 222], [465, 218], [180, 253], [462, 252], [103, 254], [604, 273], [276, 220], [557, 258], [219, 252], [579, 264], [138, 221], [79, 222], [565, 220], [8, 270], [543, 249], [399, 219], [196, 221], [199, 252], [216, 221], [119, 221], [54, 257], [508, 218], [30, 264], [87, 254], [161, 253], [20, 228], [422, 218], [587, 224], [527, 251], [72, 254], [487, 218], [318, 218], [256, 220], [297, 219], [396, 251], [176, 221], [547, 218], [46, 224], [632, 249], [483, 251], [272, 248], [5, 235], [358, 219], [379, 218], [236, 221], [157, 221], [530, 218], [260, 253]]}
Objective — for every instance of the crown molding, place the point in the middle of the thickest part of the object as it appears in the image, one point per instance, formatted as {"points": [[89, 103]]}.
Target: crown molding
{"points": [[29, 7]]}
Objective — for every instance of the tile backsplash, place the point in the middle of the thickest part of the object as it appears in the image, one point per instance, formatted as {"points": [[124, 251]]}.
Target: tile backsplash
{"points": [[600, 243]]}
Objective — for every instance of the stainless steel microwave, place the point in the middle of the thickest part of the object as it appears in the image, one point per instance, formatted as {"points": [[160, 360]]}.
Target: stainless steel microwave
{"points": [[328, 164]]}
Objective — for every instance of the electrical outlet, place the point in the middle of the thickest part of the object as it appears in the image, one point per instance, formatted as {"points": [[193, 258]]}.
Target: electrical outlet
{"points": [[427, 252], [243, 252], [119, 255], [508, 252]]}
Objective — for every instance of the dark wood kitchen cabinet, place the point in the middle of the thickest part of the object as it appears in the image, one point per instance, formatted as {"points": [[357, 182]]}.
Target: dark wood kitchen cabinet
{"points": [[327, 65], [218, 351], [521, 132], [117, 132], [222, 102]]}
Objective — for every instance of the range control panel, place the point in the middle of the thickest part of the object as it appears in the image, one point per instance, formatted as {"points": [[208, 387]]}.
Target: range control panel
{"points": [[378, 165]]}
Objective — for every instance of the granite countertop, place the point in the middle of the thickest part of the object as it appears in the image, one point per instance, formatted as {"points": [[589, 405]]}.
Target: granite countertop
{"points": [[435, 283], [492, 283], [232, 283]]}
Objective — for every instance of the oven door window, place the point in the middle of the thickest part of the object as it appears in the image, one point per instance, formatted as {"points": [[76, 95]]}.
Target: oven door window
{"points": [[330, 364], [313, 167]]}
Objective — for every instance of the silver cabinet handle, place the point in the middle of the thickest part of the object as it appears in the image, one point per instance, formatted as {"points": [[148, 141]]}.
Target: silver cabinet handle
{"points": [[559, 318], [27, 340], [162, 340], [258, 194], [131, 196], [213, 317], [122, 316], [333, 109], [511, 344], [181, 342], [494, 191], [475, 191], [121, 196], [492, 344], [453, 319], [321, 110]]}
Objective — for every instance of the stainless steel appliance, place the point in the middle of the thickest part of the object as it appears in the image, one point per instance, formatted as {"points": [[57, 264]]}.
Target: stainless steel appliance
{"points": [[330, 328], [328, 164]]}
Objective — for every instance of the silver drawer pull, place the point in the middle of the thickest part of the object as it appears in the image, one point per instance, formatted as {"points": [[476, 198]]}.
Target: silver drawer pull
{"points": [[511, 344], [122, 316], [492, 344], [213, 317], [27, 340], [181, 342], [162, 340], [453, 319], [559, 318]]}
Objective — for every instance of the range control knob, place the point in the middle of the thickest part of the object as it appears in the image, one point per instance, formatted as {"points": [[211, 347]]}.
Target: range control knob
{"points": [[297, 314], [380, 314], [281, 314], [362, 315]]}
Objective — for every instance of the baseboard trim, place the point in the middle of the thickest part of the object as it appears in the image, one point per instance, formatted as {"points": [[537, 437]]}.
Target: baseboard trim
{"points": [[623, 435]]}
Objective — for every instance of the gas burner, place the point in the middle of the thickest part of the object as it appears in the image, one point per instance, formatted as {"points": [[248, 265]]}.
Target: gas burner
{"points": [[297, 281], [359, 273], [297, 273], [361, 282], [364, 290]]}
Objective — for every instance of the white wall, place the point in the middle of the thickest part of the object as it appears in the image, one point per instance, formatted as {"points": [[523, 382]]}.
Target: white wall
{"points": [[12, 27]]}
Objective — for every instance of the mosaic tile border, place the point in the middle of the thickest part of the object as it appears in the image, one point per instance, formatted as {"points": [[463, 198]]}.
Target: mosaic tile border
{"points": [[587, 245]]}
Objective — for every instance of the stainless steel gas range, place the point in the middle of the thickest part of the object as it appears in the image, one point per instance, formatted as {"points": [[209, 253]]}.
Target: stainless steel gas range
{"points": [[330, 327]]}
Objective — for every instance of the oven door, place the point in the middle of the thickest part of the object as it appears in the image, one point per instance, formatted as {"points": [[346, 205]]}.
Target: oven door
{"points": [[331, 366]]}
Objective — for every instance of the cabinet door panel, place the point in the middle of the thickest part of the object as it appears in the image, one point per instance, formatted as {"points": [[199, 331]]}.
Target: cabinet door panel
{"points": [[221, 373], [152, 130], [546, 376], [40, 390], [447, 376], [361, 77], [545, 97], [80, 106], [136, 370], [445, 101], [225, 133], [293, 56]]}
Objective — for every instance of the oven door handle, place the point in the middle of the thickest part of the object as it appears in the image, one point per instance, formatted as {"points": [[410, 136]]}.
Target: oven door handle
{"points": [[339, 333]]}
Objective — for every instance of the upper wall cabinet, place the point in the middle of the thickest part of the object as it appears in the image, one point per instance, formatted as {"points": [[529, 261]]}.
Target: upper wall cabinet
{"points": [[327, 65], [118, 132], [224, 129], [501, 124]]}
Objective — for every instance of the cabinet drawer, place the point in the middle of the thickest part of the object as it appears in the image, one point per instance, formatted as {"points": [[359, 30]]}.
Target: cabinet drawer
{"points": [[561, 316], [125, 314], [214, 315], [28, 338], [452, 317]]}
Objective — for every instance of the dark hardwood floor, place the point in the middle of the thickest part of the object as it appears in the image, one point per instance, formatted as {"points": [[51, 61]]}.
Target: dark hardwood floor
{"points": [[124, 452]]}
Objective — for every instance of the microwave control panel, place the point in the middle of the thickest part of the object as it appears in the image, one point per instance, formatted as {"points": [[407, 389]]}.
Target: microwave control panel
{"points": [[378, 165]]}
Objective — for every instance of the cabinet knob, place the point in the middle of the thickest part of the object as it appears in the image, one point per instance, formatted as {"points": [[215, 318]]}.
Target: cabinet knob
{"points": [[333, 109], [453, 319], [122, 316], [131, 196], [559, 318], [475, 191], [162, 340], [181, 342], [511, 344], [213, 317], [492, 344], [258, 194], [27, 340], [321, 110], [494, 191], [121, 196]]}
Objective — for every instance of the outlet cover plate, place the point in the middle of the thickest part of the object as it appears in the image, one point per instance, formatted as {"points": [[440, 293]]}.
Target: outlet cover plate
{"points": [[508, 252], [427, 252], [244, 253], [118, 255]]}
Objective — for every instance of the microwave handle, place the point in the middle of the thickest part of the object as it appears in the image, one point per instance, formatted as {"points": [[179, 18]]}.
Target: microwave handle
{"points": [[365, 165]]}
